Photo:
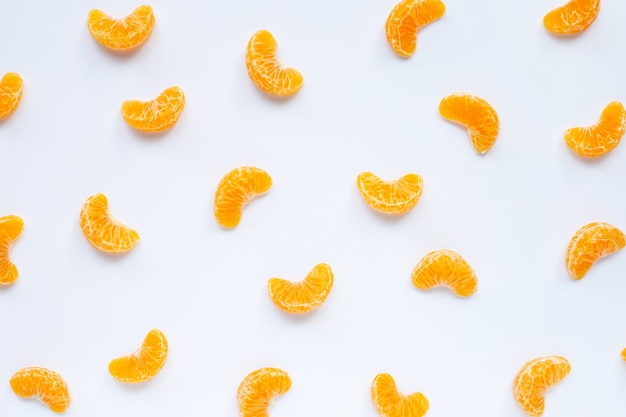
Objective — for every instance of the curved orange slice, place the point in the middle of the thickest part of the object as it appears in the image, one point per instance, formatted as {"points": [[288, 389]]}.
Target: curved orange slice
{"points": [[602, 137], [389, 402], [476, 115], [572, 18], [445, 268], [10, 229], [121, 34], [535, 378], [156, 115], [265, 70], [303, 296], [406, 19], [43, 383], [259, 388], [391, 197], [103, 231], [10, 93], [591, 243], [235, 190], [144, 363]]}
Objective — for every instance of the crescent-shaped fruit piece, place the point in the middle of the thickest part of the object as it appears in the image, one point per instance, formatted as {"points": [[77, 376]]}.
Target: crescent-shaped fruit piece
{"points": [[602, 137], [121, 35], [265, 70], [406, 19], [144, 363], [445, 268], [535, 378], [390, 197], [235, 190], [10, 93], [591, 243], [43, 383], [389, 402], [572, 18], [303, 296], [10, 229], [155, 115], [259, 388]]}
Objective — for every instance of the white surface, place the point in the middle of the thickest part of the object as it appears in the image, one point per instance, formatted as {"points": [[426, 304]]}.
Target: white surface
{"points": [[510, 213]]}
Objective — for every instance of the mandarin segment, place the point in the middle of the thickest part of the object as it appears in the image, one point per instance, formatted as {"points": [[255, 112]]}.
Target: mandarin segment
{"points": [[406, 19], [155, 115], [235, 190], [603, 136], [258, 390], [389, 402], [46, 385], [144, 363], [591, 243], [10, 229], [394, 197], [624, 354], [302, 296], [10, 93], [124, 34], [445, 268], [572, 18], [535, 378]]}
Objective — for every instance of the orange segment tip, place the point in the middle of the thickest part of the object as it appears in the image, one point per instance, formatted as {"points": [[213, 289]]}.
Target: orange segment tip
{"points": [[46, 385], [258, 390], [235, 190], [445, 268], [602, 137], [572, 18], [591, 243], [406, 19], [11, 86], [535, 378], [394, 197], [143, 364], [390, 402], [124, 34], [11, 227], [157, 115], [302, 296]]}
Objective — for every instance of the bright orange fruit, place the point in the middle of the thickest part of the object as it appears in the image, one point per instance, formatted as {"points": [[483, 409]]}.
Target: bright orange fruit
{"points": [[10, 93], [144, 363], [258, 390], [591, 243], [265, 70], [602, 137], [535, 378], [476, 115], [445, 268], [124, 34], [10, 229], [389, 402], [235, 190], [303, 296], [391, 197], [406, 19], [43, 383], [572, 18], [155, 115]]}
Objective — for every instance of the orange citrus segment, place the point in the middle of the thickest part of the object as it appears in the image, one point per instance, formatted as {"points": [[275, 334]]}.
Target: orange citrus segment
{"points": [[259, 388], [572, 18], [121, 34], [265, 70], [155, 115], [406, 19], [476, 115], [144, 363], [445, 268], [624, 354], [235, 190], [10, 93], [43, 383], [392, 197], [535, 378], [303, 296], [591, 243], [602, 137], [389, 402], [10, 228]]}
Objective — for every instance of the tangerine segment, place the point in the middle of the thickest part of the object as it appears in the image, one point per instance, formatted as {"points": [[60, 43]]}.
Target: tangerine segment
{"points": [[103, 231], [476, 115], [10, 229], [406, 19], [591, 243], [144, 363], [43, 383], [445, 268], [235, 190], [624, 354], [572, 18], [121, 34], [259, 388], [389, 402], [10, 93], [155, 115], [303, 296], [265, 70], [535, 378], [392, 197], [602, 137]]}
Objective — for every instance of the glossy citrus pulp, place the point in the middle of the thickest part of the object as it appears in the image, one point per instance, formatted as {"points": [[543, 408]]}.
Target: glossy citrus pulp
{"points": [[389, 402], [46, 385], [302, 296], [602, 137], [445, 268], [391, 197], [535, 378], [121, 34], [144, 363], [406, 19], [235, 190], [572, 18], [10, 229], [259, 388], [155, 115], [103, 231], [266, 71], [10, 93], [591, 243]]}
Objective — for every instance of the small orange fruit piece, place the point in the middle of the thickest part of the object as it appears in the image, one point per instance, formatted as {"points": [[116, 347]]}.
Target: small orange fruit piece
{"points": [[535, 378], [476, 115], [265, 70], [155, 115], [624, 354], [572, 18], [10, 93], [406, 19], [602, 137], [10, 229], [259, 388], [391, 197], [43, 383], [591, 243], [121, 35], [144, 363], [389, 402], [303, 296], [235, 190], [445, 268]]}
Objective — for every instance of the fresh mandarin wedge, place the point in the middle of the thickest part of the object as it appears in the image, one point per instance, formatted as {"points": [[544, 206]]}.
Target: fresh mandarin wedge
{"points": [[624, 354], [144, 363], [236, 190], [390, 197], [535, 378], [389, 402], [591, 243], [258, 390], [602, 137], [406, 19], [265, 70], [572, 18], [43, 383], [155, 115], [10, 93], [10, 229], [124, 34], [303, 296], [445, 268]]}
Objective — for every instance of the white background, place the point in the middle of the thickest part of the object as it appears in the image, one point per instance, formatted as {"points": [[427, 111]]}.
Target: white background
{"points": [[510, 213]]}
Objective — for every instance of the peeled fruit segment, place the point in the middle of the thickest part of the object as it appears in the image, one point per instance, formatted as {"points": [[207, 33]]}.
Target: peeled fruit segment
{"points": [[535, 378], [46, 385], [389, 402], [156, 115], [572, 18], [445, 268], [123, 34], [10, 93], [591, 243], [258, 390], [303, 296], [236, 189], [10, 229], [144, 363], [406, 19], [391, 197], [602, 137]]}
